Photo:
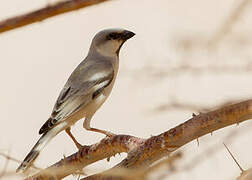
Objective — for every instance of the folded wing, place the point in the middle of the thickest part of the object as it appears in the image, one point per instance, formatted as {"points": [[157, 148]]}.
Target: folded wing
{"points": [[81, 88]]}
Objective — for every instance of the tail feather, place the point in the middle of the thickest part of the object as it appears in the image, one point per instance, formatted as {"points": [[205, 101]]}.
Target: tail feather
{"points": [[42, 142], [49, 124], [28, 161]]}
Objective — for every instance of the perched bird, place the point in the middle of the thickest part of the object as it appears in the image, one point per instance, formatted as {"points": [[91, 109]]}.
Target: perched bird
{"points": [[85, 91]]}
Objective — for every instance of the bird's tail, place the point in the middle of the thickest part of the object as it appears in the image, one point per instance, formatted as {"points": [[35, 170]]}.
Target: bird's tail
{"points": [[42, 142]]}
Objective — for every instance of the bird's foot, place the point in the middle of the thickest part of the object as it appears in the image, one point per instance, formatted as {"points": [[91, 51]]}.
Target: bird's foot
{"points": [[109, 134], [79, 146]]}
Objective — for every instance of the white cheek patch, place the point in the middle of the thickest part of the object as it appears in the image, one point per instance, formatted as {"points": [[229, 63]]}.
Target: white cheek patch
{"points": [[109, 48]]}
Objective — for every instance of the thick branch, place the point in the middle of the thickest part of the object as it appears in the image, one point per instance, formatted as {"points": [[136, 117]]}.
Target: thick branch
{"points": [[142, 153], [106, 148], [44, 13], [194, 128], [159, 146]]}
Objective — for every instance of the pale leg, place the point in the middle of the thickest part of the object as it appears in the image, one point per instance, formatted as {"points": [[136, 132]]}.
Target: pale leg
{"points": [[78, 145], [86, 125]]}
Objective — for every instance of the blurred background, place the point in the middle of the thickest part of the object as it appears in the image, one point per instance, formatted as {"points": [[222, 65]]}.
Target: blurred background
{"points": [[186, 57]]}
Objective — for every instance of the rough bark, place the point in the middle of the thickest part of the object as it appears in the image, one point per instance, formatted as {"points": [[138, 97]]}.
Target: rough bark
{"points": [[143, 152]]}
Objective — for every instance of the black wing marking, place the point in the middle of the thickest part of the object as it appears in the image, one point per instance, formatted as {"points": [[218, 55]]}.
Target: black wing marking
{"points": [[99, 91], [52, 121], [63, 95], [77, 95], [47, 125]]}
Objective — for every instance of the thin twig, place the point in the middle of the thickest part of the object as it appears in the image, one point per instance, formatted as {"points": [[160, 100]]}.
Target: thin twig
{"points": [[233, 158], [174, 72], [45, 13], [226, 27], [16, 160]]}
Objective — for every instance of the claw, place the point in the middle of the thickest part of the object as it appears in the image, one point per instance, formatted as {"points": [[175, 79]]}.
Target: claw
{"points": [[109, 134]]}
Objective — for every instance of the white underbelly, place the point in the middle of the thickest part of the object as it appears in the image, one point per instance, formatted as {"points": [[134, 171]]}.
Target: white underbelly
{"points": [[94, 105], [88, 110]]}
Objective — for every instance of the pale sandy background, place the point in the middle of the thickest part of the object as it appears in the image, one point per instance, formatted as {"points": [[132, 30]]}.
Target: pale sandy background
{"points": [[35, 62]]}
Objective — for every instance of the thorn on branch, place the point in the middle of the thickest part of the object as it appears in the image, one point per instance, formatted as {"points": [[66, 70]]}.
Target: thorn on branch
{"points": [[142, 153], [198, 141]]}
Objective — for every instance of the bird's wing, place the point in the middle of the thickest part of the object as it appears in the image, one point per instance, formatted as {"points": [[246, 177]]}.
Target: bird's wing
{"points": [[84, 84]]}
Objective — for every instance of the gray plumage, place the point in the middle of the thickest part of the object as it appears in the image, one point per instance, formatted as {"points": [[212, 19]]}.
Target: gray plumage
{"points": [[85, 91], [79, 91]]}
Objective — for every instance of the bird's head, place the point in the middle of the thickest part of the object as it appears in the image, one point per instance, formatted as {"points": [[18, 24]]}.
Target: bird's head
{"points": [[109, 42]]}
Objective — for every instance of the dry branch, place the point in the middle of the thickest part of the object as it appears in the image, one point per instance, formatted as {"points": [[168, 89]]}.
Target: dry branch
{"points": [[106, 148], [142, 153], [44, 13], [227, 25], [167, 72]]}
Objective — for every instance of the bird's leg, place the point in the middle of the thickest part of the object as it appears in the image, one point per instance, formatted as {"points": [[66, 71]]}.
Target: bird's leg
{"points": [[68, 131], [86, 125], [107, 133]]}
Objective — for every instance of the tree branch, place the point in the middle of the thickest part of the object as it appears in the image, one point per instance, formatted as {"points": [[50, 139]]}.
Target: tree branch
{"points": [[45, 13], [142, 153], [106, 148], [159, 146], [228, 24]]}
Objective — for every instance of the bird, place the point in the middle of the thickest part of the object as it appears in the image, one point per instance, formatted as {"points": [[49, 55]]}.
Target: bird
{"points": [[87, 88]]}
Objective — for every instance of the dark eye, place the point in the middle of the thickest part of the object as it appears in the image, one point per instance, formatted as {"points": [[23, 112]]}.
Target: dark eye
{"points": [[113, 36]]}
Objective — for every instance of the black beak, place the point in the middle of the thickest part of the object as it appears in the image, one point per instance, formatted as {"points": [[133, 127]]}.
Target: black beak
{"points": [[127, 35]]}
